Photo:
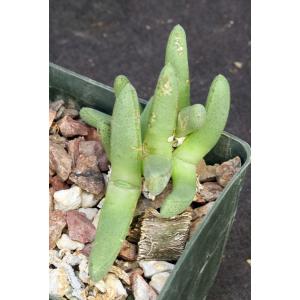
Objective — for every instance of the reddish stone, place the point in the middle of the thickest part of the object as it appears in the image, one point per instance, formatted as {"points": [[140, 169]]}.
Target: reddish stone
{"points": [[86, 250], [57, 184], [69, 127], [60, 160], [51, 202], [92, 135], [73, 149], [128, 251], [89, 148], [87, 175], [80, 227], [57, 223]]}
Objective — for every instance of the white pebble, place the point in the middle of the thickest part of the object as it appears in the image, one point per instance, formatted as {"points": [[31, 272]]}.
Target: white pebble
{"points": [[96, 219], [54, 258], [114, 286], [90, 213], [141, 289], [66, 243], [152, 267], [73, 259], [84, 270], [88, 200], [58, 283], [158, 281], [68, 199], [101, 286]]}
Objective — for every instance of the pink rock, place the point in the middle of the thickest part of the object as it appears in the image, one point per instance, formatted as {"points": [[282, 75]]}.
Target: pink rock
{"points": [[86, 250], [57, 223], [87, 175], [60, 160], [80, 228], [57, 184], [69, 127], [89, 148], [73, 149]]}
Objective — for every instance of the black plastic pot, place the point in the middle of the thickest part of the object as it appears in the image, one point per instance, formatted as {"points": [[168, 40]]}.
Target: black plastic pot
{"points": [[197, 268]]}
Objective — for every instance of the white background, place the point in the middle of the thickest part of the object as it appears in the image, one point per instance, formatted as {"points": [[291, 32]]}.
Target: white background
{"points": [[24, 50]]}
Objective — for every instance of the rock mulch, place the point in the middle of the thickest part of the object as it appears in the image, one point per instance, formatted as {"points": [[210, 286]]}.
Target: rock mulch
{"points": [[78, 173]]}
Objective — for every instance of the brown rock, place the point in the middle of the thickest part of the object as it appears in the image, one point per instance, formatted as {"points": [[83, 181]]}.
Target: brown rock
{"points": [[69, 127], [208, 191], [199, 199], [89, 148], [202, 211], [128, 251], [59, 113], [199, 215], [87, 175], [51, 201], [57, 223], [57, 184], [73, 149], [227, 169], [60, 160], [201, 167], [52, 115], [58, 139], [92, 135], [80, 227], [206, 172], [56, 105], [71, 112]]}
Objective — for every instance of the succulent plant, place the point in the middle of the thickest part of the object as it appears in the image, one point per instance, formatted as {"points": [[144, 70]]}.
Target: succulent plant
{"points": [[177, 56], [124, 186], [195, 147], [190, 119], [145, 116], [143, 143], [157, 145]]}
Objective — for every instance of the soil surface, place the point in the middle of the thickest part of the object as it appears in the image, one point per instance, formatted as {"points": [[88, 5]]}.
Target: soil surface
{"points": [[102, 39]]}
